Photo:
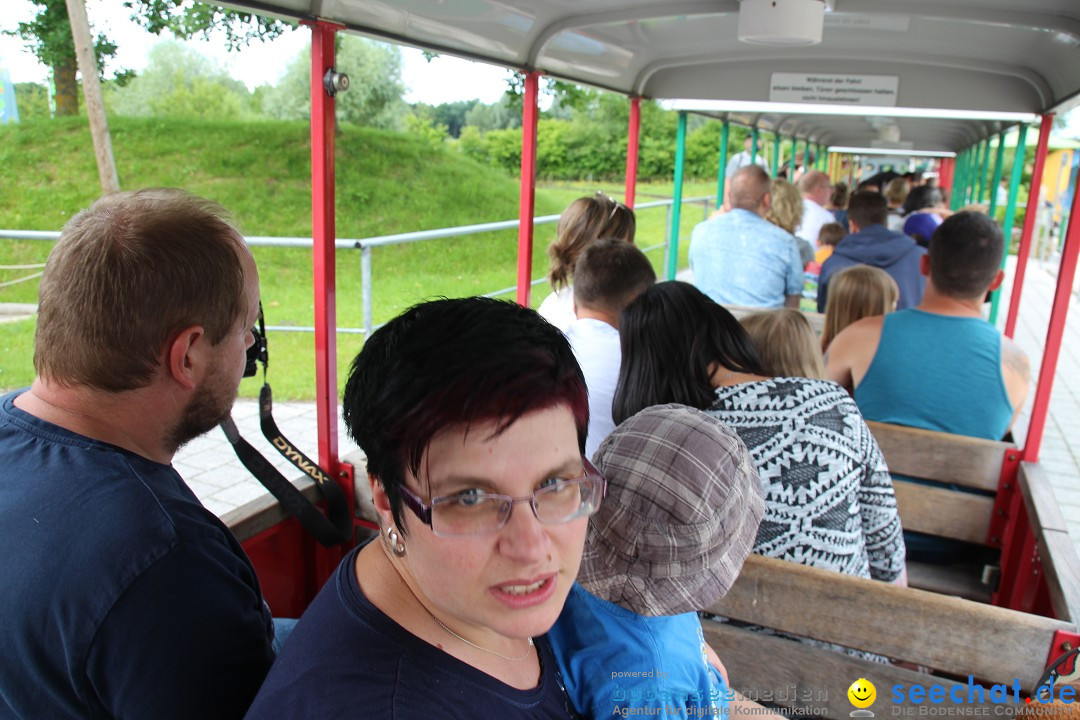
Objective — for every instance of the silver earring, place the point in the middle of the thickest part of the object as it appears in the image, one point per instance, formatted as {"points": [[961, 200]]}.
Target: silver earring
{"points": [[396, 546]]}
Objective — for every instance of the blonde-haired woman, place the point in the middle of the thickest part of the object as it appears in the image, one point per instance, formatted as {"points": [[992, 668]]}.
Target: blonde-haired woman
{"points": [[786, 343], [585, 220], [854, 293], [786, 211]]}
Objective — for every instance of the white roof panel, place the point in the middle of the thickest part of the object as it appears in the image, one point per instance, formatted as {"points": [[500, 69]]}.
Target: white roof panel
{"points": [[984, 55]]}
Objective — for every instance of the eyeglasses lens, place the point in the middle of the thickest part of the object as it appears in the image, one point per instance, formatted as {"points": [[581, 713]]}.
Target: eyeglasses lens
{"points": [[485, 513]]}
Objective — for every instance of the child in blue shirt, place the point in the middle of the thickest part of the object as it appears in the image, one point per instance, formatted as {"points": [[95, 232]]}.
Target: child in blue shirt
{"points": [[680, 516]]}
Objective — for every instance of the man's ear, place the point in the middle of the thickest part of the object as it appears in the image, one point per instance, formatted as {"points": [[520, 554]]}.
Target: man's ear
{"points": [[183, 355], [924, 264], [996, 282]]}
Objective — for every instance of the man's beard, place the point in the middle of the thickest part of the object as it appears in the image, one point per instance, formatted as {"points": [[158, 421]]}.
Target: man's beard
{"points": [[209, 406]]}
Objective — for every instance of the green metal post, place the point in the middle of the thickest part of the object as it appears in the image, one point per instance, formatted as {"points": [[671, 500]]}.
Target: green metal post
{"points": [[1010, 208], [680, 156], [969, 174], [776, 153], [980, 171], [753, 145], [794, 148], [973, 180], [999, 160], [720, 178], [972, 173], [821, 157], [960, 184], [984, 173]]}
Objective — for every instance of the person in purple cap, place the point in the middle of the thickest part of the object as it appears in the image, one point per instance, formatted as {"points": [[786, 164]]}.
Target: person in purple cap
{"points": [[920, 226], [683, 506], [923, 210]]}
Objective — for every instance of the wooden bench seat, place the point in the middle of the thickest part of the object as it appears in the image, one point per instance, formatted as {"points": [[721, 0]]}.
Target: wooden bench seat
{"points": [[951, 636]]}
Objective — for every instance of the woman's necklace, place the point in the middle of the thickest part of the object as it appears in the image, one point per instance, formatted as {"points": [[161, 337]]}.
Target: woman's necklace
{"points": [[441, 624], [528, 650]]}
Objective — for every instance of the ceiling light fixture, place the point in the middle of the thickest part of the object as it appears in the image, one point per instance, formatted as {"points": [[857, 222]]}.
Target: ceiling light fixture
{"points": [[781, 22]]}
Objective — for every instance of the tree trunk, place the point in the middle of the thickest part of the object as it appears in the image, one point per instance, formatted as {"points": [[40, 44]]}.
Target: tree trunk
{"points": [[95, 106], [67, 91]]}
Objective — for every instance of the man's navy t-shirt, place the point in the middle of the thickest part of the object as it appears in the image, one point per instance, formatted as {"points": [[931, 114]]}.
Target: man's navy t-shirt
{"points": [[123, 596]]}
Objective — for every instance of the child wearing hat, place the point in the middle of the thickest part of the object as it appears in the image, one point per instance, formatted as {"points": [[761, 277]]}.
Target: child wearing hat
{"points": [[680, 516]]}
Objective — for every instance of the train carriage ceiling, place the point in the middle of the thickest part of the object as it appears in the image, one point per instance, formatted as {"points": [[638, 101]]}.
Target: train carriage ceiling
{"points": [[1003, 59]]}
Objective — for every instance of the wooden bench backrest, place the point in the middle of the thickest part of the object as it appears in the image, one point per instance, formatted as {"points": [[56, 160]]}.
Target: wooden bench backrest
{"points": [[944, 633], [955, 459]]}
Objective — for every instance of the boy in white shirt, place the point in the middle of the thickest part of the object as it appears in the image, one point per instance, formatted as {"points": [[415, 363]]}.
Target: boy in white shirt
{"points": [[608, 276]]}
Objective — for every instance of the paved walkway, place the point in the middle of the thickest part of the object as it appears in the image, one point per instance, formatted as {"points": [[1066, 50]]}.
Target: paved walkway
{"points": [[1059, 453], [214, 473], [221, 482]]}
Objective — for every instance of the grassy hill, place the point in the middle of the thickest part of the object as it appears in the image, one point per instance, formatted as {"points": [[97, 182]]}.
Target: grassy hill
{"points": [[386, 183]]}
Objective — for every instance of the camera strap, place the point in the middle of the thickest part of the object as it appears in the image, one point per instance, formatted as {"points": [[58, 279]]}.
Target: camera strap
{"points": [[333, 528]]}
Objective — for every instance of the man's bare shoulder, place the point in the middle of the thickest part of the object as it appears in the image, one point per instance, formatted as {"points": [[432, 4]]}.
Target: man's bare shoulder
{"points": [[1014, 358], [860, 330], [850, 353]]}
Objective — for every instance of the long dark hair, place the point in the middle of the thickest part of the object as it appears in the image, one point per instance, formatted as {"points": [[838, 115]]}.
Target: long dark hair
{"points": [[920, 198], [670, 335]]}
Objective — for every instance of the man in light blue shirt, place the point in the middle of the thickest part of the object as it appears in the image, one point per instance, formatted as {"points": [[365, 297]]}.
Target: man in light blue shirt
{"points": [[739, 258]]}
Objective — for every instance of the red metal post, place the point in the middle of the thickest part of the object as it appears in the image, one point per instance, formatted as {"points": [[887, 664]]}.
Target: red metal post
{"points": [[946, 170], [632, 136], [323, 233], [1054, 333], [1029, 228], [527, 202]]}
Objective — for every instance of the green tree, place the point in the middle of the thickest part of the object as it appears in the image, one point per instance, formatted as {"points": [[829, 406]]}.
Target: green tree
{"points": [[497, 116], [179, 82], [453, 115], [48, 35], [375, 89], [32, 100]]}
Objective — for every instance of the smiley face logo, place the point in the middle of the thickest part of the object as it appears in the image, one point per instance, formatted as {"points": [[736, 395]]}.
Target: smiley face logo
{"points": [[862, 693]]}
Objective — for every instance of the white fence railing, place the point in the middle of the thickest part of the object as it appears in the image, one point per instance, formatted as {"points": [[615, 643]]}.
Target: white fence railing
{"points": [[366, 245]]}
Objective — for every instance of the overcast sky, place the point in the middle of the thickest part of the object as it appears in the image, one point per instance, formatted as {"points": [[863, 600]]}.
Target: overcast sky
{"points": [[444, 79]]}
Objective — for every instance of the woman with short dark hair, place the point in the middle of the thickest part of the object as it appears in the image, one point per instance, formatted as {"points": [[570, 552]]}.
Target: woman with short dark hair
{"points": [[472, 414]]}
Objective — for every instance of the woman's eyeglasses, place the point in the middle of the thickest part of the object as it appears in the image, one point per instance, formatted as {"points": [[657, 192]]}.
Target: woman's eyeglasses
{"points": [[474, 512]]}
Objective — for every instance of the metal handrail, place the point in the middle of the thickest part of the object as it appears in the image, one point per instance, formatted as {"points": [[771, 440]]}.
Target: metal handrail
{"points": [[365, 246]]}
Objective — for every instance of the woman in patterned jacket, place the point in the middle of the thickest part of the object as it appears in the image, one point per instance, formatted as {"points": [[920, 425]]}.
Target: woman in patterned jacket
{"points": [[829, 500]]}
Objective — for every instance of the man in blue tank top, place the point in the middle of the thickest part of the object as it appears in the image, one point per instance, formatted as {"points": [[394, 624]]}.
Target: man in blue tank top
{"points": [[123, 595], [940, 365]]}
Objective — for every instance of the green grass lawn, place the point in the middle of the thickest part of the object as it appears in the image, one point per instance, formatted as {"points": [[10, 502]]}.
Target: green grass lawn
{"points": [[386, 183]]}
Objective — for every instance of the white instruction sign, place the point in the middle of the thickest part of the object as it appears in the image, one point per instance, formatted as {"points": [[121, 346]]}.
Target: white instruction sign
{"points": [[834, 89]]}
